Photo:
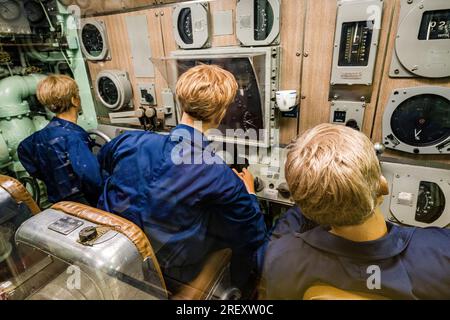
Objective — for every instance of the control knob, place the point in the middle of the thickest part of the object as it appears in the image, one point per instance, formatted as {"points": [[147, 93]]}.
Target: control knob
{"points": [[283, 189]]}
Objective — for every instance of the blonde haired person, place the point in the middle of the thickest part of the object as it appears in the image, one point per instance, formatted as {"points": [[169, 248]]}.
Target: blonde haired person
{"points": [[192, 207], [61, 154], [339, 236]]}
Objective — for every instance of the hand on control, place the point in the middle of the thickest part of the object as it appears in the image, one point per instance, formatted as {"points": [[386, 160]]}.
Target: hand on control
{"points": [[248, 180]]}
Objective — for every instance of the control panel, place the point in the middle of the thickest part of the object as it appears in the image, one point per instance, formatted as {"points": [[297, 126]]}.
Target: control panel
{"points": [[350, 114], [418, 194], [422, 45], [147, 93]]}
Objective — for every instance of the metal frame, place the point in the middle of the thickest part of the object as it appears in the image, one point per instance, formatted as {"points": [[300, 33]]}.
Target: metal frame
{"points": [[200, 25], [271, 84], [353, 11], [124, 89], [405, 177], [245, 23], [419, 58], [105, 54], [399, 96], [353, 110]]}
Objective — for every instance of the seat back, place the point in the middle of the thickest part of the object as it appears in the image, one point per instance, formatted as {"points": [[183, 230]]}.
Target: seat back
{"points": [[327, 292], [198, 289], [19, 193]]}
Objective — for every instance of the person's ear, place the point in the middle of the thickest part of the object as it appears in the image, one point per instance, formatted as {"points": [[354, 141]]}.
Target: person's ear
{"points": [[76, 102], [384, 187]]}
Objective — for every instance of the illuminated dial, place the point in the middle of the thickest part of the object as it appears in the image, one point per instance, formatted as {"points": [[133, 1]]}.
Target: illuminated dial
{"points": [[185, 26], [10, 9], [264, 19], [430, 202], [34, 11], [108, 91], [422, 120], [92, 40]]}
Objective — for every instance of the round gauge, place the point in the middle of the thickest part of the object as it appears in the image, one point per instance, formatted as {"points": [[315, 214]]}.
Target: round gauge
{"points": [[430, 202], [94, 41], [10, 10], [422, 120], [185, 26], [108, 91], [34, 12]]}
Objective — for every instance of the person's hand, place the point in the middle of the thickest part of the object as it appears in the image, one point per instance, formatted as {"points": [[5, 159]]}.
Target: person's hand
{"points": [[248, 180]]}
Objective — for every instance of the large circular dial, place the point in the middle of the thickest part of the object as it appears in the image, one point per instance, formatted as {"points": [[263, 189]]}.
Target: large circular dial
{"points": [[10, 10], [264, 19], [92, 40], [108, 90], [430, 202], [422, 120], [185, 26]]}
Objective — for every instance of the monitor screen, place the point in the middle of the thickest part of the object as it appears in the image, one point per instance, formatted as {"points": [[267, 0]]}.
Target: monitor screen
{"points": [[246, 112], [435, 25]]}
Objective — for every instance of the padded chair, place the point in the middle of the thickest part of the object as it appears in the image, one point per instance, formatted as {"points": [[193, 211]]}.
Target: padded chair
{"points": [[19, 193], [206, 285], [326, 292]]}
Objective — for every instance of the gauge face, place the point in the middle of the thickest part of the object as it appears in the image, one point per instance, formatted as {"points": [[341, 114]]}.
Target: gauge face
{"points": [[10, 9], [34, 12], [356, 39], [264, 19], [185, 26], [108, 91], [92, 40], [423, 120], [435, 25], [430, 202]]}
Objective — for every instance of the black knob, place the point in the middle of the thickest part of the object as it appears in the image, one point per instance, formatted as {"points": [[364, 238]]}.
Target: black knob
{"points": [[283, 189], [149, 98], [259, 184], [352, 124], [87, 234]]}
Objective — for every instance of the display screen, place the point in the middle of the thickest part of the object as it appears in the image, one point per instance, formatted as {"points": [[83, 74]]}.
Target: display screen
{"points": [[435, 25], [356, 38], [246, 112], [422, 120], [263, 19], [185, 26]]}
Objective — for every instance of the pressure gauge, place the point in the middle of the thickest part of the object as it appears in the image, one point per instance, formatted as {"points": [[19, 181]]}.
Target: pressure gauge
{"points": [[417, 120], [191, 25], [94, 41], [430, 202], [258, 22], [10, 10], [113, 89]]}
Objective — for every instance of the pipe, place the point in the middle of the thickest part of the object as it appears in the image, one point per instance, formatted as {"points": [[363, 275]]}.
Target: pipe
{"points": [[15, 124]]}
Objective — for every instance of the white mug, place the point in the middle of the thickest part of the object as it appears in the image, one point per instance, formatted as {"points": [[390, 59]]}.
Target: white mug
{"points": [[286, 100]]}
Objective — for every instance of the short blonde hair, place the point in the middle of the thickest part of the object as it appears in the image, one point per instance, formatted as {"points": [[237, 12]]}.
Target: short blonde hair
{"points": [[334, 175], [206, 91], [56, 92]]}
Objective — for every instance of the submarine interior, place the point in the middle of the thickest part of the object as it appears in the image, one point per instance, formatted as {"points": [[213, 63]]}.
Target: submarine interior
{"points": [[380, 67]]}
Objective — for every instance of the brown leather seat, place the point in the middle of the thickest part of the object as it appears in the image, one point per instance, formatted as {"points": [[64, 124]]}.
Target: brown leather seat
{"points": [[19, 193], [197, 289], [326, 292]]}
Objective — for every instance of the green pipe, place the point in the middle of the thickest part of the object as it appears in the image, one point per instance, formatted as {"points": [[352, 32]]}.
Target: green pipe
{"points": [[4, 152], [14, 131]]}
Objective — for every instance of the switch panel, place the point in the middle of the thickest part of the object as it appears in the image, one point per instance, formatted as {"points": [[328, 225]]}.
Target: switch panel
{"points": [[147, 93]]}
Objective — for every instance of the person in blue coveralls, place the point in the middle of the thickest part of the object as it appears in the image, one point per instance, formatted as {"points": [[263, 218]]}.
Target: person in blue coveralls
{"points": [[339, 237], [61, 155], [185, 198]]}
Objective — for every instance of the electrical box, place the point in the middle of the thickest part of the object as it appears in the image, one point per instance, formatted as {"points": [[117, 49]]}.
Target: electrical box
{"points": [[258, 22], [350, 114], [417, 120], [94, 40], [190, 22], [147, 93], [422, 44], [356, 42], [418, 194]]}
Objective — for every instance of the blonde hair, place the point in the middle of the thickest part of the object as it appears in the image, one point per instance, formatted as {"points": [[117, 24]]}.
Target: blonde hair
{"points": [[56, 92], [334, 175], [205, 92]]}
